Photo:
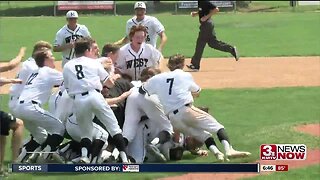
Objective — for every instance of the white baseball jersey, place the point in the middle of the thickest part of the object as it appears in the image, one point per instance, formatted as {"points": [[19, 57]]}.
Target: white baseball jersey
{"points": [[83, 74], [173, 89], [39, 85], [27, 68], [66, 35], [153, 25], [132, 63]]}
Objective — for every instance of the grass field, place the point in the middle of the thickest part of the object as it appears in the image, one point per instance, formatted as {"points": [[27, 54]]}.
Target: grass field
{"points": [[251, 116], [255, 34]]}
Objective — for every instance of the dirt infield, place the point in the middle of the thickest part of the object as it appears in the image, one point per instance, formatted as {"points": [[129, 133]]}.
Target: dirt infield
{"points": [[313, 158], [248, 72]]}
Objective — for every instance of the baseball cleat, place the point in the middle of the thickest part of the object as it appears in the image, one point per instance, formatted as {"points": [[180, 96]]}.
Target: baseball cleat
{"points": [[236, 154], [84, 160], [192, 68], [155, 152], [235, 53], [219, 156]]}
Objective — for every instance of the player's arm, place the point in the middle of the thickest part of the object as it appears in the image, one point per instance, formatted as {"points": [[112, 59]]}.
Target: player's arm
{"points": [[163, 40], [194, 13], [14, 62], [149, 86], [213, 11], [122, 41], [4, 81], [58, 45], [116, 100], [193, 87]]}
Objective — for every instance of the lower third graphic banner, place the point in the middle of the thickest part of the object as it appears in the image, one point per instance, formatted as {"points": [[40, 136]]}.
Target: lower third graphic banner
{"points": [[135, 168]]}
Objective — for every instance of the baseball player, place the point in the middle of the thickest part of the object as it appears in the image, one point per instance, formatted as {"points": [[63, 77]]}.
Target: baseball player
{"points": [[25, 71], [207, 34], [139, 105], [137, 55], [82, 80], [46, 129], [67, 35], [153, 25], [175, 90]]}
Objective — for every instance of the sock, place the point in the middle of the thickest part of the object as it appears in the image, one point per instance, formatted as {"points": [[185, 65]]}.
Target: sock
{"points": [[123, 157], [115, 153], [47, 151], [226, 145], [155, 141], [84, 152], [214, 149], [65, 148], [22, 155]]}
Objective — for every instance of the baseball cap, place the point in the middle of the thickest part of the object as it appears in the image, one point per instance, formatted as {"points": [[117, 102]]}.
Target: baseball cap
{"points": [[72, 14], [140, 5]]}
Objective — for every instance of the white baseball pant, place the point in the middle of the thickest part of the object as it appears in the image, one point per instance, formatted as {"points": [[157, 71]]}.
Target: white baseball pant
{"points": [[73, 130], [140, 105], [91, 103], [194, 122], [39, 121], [61, 105]]}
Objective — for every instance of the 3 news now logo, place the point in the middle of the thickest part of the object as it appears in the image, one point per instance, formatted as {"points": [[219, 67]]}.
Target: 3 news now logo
{"points": [[283, 152], [130, 168]]}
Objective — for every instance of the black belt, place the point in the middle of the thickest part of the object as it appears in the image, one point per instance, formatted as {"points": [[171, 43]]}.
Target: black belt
{"points": [[13, 97], [86, 93], [33, 102], [176, 111]]}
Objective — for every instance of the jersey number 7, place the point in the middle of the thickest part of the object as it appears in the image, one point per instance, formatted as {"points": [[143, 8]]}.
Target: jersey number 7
{"points": [[170, 80]]}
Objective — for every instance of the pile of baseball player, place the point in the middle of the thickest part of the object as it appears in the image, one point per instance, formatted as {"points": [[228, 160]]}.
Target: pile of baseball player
{"points": [[120, 105]]}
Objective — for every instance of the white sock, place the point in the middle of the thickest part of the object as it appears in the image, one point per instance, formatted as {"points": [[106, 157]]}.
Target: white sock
{"points": [[226, 145], [94, 160], [21, 155], [35, 155], [84, 152], [214, 149], [64, 149], [123, 156], [155, 141], [105, 155], [47, 149], [115, 153]]}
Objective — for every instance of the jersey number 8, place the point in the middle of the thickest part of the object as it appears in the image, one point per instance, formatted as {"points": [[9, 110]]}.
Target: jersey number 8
{"points": [[79, 71]]}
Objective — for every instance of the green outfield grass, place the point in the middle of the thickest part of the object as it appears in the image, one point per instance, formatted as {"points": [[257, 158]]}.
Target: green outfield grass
{"points": [[255, 34], [251, 116]]}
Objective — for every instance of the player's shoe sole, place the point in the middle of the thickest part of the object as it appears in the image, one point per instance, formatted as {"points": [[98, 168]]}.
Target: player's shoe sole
{"points": [[155, 152], [237, 154], [192, 68]]}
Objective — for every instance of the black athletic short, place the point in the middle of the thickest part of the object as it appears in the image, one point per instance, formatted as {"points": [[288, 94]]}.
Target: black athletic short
{"points": [[5, 120]]}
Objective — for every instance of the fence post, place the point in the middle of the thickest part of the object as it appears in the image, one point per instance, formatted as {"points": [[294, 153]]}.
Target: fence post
{"points": [[176, 8], [54, 8], [114, 8]]}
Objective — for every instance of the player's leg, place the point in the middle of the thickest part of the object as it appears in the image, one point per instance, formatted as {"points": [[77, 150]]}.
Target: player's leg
{"points": [[100, 142], [104, 113], [210, 124], [64, 106], [185, 121], [53, 126], [200, 45], [136, 147], [84, 115], [154, 111]]}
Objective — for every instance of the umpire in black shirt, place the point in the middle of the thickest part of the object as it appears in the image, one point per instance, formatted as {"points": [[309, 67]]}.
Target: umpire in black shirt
{"points": [[207, 34]]}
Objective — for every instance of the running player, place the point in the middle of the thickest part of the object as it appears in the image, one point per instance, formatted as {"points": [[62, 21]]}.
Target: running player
{"points": [[153, 25], [67, 35]]}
